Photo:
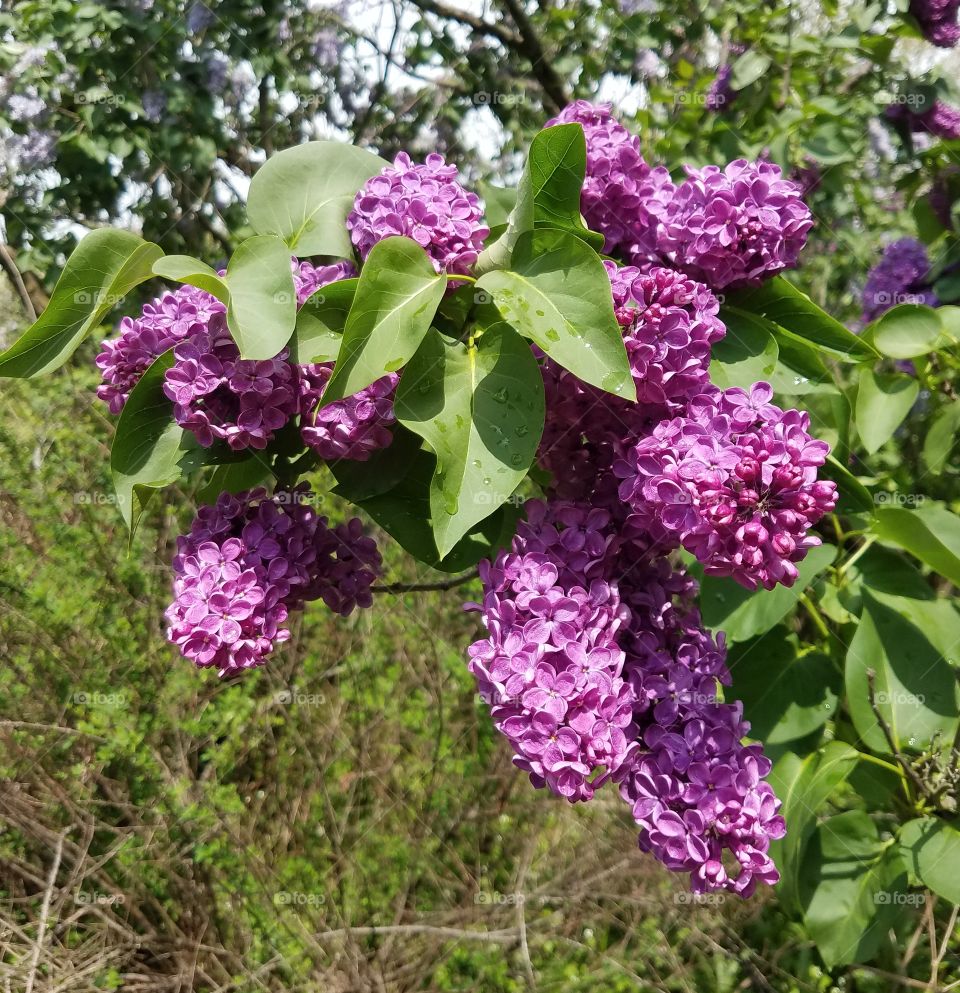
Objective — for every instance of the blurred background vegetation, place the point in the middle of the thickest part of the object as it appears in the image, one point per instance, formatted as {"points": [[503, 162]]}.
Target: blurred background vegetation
{"points": [[346, 818]]}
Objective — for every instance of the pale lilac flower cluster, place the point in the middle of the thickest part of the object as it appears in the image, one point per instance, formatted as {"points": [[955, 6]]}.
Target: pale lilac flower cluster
{"points": [[694, 787], [251, 559], [618, 181], [734, 481], [734, 226], [901, 276], [174, 317], [596, 667], [424, 202], [938, 20], [551, 669]]}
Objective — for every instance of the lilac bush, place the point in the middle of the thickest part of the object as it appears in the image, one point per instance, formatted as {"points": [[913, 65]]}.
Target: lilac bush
{"points": [[901, 276]]}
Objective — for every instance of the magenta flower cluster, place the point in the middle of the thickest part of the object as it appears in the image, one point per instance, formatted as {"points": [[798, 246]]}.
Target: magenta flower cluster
{"points": [[220, 397], [901, 276], [424, 202], [251, 559], [597, 669], [938, 20], [734, 481], [734, 226], [942, 120]]}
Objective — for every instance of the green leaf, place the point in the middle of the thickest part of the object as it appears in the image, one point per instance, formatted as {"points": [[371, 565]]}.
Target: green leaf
{"points": [[548, 195], [396, 298], [907, 331], [804, 786], [480, 407], [497, 201], [748, 68], [854, 887], [304, 194], [106, 265], [403, 511], [726, 606], [747, 354], [262, 312], [785, 696], [883, 402], [235, 477], [321, 320], [782, 303], [940, 443], [916, 689], [193, 272], [931, 848], [930, 532], [382, 472], [148, 444], [558, 295]]}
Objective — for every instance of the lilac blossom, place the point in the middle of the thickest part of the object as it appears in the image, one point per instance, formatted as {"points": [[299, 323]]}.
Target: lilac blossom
{"points": [[901, 276], [942, 120], [251, 559], [721, 93], [734, 481], [734, 226], [424, 202], [938, 20]]}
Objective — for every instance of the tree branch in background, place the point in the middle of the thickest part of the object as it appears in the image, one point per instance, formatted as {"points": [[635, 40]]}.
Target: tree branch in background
{"points": [[10, 268], [540, 64]]}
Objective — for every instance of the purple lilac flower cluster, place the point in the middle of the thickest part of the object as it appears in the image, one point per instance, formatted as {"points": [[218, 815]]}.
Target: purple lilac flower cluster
{"points": [[734, 481], [424, 202], [734, 226], [942, 120], [597, 668], [938, 20], [721, 93], [695, 789], [247, 562], [219, 396], [901, 276], [550, 668]]}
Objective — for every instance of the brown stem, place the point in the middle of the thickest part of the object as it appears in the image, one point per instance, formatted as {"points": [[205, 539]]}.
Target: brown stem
{"points": [[446, 584]]}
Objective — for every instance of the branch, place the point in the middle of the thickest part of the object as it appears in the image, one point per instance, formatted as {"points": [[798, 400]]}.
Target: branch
{"points": [[45, 911], [446, 584], [10, 268], [505, 937], [530, 47], [891, 741], [478, 24]]}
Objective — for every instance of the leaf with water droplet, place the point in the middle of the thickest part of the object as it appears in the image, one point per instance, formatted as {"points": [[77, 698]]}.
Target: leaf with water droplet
{"points": [[557, 294], [482, 415]]}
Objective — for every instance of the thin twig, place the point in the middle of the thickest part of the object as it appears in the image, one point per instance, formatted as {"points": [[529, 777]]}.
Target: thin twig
{"points": [[888, 734], [504, 937], [11, 269], [446, 584], [45, 910]]}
